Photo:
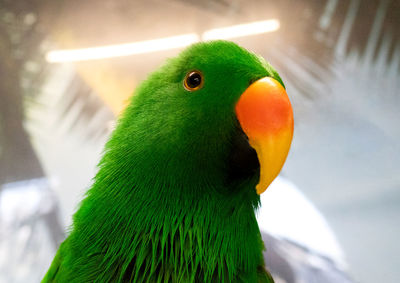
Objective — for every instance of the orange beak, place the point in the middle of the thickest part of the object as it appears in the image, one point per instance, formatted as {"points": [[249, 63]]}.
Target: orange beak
{"points": [[266, 117]]}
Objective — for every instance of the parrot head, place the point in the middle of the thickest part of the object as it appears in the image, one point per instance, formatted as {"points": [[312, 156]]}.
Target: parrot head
{"points": [[215, 114], [178, 183]]}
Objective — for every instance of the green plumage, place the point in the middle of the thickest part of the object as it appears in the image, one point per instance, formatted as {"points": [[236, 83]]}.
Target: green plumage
{"points": [[162, 207]]}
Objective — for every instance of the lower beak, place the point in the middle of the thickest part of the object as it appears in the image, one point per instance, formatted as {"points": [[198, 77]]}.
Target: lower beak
{"points": [[266, 117]]}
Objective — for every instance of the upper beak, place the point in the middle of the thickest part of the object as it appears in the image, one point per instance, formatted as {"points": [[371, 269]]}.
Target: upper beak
{"points": [[266, 117]]}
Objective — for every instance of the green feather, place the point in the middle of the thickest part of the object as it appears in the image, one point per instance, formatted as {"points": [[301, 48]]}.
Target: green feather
{"points": [[161, 207]]}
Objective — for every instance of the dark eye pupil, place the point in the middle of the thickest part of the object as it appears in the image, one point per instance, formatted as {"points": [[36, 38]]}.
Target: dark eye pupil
{"points": [[193, 80]]}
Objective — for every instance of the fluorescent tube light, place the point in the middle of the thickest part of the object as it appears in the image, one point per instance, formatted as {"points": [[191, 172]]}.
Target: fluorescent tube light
{"points": [[242, 30], [160, 44], [122, 49]]}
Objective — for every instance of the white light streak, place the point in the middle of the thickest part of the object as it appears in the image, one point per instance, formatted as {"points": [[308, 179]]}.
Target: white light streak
{"points": [[242, 30], [119, 50], [140, 47]]}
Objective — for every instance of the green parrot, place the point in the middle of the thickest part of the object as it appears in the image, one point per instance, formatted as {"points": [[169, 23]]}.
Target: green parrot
{"points": [[175, 195]]}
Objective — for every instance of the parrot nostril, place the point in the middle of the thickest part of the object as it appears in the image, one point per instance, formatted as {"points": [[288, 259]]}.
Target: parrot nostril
{"points": [[253, 80]]}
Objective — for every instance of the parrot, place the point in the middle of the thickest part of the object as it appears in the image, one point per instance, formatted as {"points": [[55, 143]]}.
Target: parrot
{"points": [[179, 182]]}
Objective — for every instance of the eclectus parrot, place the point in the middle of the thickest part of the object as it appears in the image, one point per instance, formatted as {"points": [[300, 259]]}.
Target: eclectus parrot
{"points": [[180, 178]]}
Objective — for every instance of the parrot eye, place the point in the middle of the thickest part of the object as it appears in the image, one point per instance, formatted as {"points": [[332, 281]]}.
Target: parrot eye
{"points": [[193, 81]]}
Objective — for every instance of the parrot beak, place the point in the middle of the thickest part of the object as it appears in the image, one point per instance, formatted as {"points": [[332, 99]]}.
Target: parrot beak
{"points": [[266, 117]]}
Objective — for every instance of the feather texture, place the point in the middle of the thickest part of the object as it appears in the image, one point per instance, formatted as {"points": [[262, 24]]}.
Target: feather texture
{"points": [[161, 207]]}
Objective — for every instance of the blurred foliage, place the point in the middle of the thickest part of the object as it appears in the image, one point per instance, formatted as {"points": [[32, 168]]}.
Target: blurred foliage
{"points": [[22, 33]]}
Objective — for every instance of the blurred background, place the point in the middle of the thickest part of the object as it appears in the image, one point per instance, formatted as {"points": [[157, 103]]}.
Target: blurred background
{"points": [[340, 61]]}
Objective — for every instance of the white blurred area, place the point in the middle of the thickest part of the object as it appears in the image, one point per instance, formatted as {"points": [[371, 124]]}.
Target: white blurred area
{"points": [[154, 45], [285, 212], [340, 61], [30, 230]]}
